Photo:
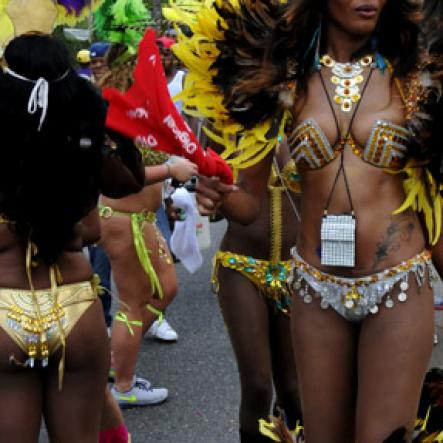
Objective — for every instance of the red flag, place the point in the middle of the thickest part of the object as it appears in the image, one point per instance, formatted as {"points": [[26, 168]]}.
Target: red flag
{"points": [[146, 114]]}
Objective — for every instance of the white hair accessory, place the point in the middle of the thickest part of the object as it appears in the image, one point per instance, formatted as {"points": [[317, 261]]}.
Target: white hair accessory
{"points": [[39, 94]]}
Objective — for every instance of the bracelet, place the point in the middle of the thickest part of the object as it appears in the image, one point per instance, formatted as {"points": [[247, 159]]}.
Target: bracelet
{"points": [[169, 170]]}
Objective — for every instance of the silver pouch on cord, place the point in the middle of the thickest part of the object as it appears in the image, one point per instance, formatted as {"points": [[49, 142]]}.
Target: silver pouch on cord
{"points": [[338, 240]]}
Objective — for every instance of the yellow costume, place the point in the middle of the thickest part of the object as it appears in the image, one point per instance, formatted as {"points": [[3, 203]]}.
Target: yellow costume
{"points": [[37, 320], [269, 276], [40, 320]]}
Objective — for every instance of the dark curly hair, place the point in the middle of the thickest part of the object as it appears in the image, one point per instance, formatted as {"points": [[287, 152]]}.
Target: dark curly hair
{"points": [[426, 124], [264, 39], [49, 178]]}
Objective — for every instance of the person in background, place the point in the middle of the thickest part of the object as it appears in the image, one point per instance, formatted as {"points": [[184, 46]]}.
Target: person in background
{"points": [[84, 60], [143, 269], [161, 329], [98, 64]]}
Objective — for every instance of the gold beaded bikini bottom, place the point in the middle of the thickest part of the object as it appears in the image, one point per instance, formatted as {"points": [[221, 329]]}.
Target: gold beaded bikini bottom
{"points": [[270, 278], [356, 298], [38, 321]]}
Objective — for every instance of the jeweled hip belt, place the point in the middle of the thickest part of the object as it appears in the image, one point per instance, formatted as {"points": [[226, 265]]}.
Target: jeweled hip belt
{"points": [[354, 298]]}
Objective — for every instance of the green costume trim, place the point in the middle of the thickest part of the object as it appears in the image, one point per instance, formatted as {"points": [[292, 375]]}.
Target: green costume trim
{"points": [[138, 220], [122, 317], [156, 312], [269, 277]]}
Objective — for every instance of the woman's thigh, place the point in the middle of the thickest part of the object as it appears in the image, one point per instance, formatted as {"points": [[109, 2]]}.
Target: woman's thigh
{"points": [[325, 354], [394, 351], [73, 413], [162, 262], [131, 280], [246, 317], [21, 395]]}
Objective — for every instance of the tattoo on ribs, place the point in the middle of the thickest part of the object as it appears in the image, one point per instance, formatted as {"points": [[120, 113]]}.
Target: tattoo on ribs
{"points": [[399, 230]]}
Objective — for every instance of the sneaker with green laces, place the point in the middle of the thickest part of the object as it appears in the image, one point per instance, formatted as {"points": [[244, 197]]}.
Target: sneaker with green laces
{"points": [[140, 394]]}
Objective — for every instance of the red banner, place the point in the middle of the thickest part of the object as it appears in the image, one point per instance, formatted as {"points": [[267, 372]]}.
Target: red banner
{"points": [[146, 114]]}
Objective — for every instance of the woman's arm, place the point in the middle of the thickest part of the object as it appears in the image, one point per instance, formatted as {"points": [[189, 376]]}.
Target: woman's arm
{"points": [[90, 228], [122, 171], [240, 203], [181, 170]]}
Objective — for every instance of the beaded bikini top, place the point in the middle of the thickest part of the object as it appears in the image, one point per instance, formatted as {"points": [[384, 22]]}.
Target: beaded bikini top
{"points": [[386, 147]]}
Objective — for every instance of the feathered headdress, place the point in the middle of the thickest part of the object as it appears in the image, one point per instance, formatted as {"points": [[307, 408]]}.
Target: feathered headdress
{"points": [[233, 80], [424, 114], [123, 22], [184, 10], [20, 16]]}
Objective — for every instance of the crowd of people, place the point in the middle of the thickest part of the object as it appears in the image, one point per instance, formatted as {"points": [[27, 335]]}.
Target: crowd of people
{"points": [[329, 114]]}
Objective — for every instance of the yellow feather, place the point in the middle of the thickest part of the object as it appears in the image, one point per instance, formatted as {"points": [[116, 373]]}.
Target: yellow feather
{"points": [[423, 196], [202, 98]]}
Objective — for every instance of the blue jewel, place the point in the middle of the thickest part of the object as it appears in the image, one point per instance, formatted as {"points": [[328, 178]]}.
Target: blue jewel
{"points": [[232, 261], [380, 62]]}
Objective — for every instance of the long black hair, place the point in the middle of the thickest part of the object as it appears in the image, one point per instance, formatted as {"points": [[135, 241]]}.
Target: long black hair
{"points": [[49, 177]]}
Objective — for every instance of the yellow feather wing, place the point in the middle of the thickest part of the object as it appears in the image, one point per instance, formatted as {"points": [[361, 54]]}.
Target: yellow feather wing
{"points": [[205, 100], [423, 197]]}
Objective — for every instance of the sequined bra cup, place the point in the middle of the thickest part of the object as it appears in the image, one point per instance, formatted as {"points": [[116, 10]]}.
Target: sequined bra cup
{"points": [[386, 148]]}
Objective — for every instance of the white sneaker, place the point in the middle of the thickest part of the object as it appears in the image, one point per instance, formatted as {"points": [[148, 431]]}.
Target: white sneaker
{"points": [[162, 331], [140, 395]]}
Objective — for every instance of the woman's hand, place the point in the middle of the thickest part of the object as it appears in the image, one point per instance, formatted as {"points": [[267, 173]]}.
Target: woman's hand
{"points": [[183, 170], [210, 193]]}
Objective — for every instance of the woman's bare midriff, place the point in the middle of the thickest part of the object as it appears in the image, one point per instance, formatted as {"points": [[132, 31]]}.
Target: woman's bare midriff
{"points": [[148, 199], [255, 239], [73, 264], [382, 239]]}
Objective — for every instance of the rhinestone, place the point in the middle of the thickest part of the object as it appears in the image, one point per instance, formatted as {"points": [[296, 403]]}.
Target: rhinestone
{"points": [[402, 296], [349, 304], [308, 299], [297, 284], [374, 309], [404, 286], [324, 304], [302, 292], [389, 303]]}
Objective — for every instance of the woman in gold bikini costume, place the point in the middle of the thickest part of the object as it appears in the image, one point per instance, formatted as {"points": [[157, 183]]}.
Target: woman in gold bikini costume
{"points": [[362, 313], [55, 357]]}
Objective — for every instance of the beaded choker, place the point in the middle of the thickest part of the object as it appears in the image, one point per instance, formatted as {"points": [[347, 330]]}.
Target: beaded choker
{"points": [[347, 78]]}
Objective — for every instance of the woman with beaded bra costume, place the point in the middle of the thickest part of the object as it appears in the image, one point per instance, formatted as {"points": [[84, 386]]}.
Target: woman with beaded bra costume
{"points": [[362, 312], [55, 356], [141, 263]]}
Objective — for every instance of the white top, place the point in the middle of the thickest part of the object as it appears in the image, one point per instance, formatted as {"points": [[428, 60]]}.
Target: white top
{"points": [[175, 86]]}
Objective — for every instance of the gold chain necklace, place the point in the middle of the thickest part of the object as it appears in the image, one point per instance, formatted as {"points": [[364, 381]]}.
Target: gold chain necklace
{"points": [[347, 78]]}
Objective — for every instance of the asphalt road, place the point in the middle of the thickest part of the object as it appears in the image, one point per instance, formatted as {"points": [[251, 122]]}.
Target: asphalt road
{"points": [[199, 370]]}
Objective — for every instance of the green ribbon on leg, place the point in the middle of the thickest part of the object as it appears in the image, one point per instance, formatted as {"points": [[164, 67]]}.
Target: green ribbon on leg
{"points": [[137, 224], [156, 312], [122, 317]]}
